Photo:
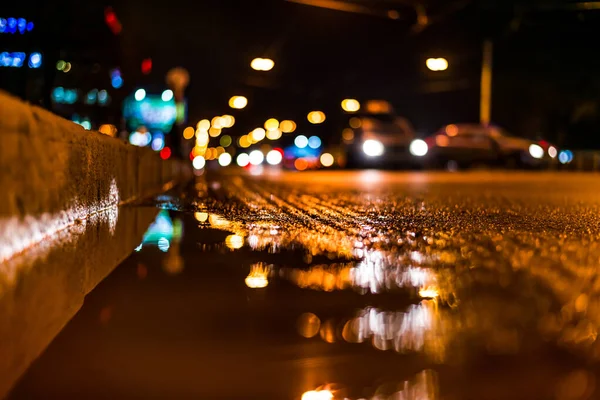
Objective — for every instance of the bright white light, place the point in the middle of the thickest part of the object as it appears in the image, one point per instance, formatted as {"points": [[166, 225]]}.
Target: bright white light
{"points": [[224, 159], [536, 151], [158, 143], [163, 244], [256, 157], [199, 162], [317, 395], [418, 148], [301, 141], [167, 95], [327, 159], [373, 148], [243, 159], [140, 94], [437, 64], [314, 142], [552, 152], [35, 60], [274, 157]]}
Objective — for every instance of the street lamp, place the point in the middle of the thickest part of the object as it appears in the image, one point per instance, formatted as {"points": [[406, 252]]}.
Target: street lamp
{"points": [[437, 64], [262, 64]]}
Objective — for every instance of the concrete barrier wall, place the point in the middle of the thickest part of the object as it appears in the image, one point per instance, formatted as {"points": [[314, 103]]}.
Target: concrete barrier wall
{"points": [[58, 181]]}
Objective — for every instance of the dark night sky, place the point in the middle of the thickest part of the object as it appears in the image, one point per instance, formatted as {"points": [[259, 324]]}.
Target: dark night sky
{"points": [[546, 60]]}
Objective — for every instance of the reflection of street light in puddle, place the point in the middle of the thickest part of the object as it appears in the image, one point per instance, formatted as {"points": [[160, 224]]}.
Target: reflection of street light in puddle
{"points": [[258, 276]]}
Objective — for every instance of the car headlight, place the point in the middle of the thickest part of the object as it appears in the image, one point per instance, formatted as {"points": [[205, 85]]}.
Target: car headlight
{"points": [[418, 148], [536, 151], [373, 148]]}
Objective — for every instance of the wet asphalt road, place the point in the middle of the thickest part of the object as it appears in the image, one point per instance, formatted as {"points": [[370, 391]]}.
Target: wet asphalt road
{"points": [[372, 285]]}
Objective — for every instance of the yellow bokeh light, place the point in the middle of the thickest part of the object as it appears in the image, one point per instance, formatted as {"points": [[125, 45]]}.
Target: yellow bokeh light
{"points": [[234, 242], [452, 130], [245, 142], [203, 125], [316, 117], [350, 105], [271, 124], [428, 293], [287, 126], [348, 135], [188, 132], [238, 102], [217, 122], [274, 135], [108, 129], [201, 216], [326, 160], [258, 134], [355, 122], [308, 325], [220, 150], [317, 395], [262, 64], [198, 151], [437, 64], [228, 121], [202, 138], [214, 132]]}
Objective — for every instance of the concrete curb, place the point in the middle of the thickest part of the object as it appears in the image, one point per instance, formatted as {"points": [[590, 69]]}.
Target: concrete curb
{"points": [[56, 178]]}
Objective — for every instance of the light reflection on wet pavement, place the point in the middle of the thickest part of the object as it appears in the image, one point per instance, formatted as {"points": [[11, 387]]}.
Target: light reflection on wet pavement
{"points": [[352, 285]]}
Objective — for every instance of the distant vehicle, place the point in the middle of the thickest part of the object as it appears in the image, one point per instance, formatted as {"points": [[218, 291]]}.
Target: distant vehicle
{"points": [[462, 145], [377, 136]]}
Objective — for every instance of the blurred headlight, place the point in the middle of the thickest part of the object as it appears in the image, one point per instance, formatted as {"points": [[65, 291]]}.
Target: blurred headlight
{"points": [[536, 151], [418, 148], [373, 148]]}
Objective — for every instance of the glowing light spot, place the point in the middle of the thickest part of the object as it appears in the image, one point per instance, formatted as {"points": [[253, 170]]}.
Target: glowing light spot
{"points": [[552, 152], [301, 141], [203, 125], [262, 64], [188, 132], [271, 124], [258, 276], [348, 135], [418, 148], [165, 153], [274, 135], [326, 160], [224, 159], [199, 162], [202, 138], [242, 159], [308, 325], [317, 395], [234, 242], [274, 157], [536, 151], [428, 293], [314, 142], [373, 148], [350, 105], [225, 141], [258, 134], [167, 95], [214, 132], [217, 122], [201, 216], [35, 60], [316, 117], [355, 122], [256, 157], [437, 64], [245, 141], [238, 102], [300, 164], [451, 130], [287, 126], [227, 120], [140, 94]]}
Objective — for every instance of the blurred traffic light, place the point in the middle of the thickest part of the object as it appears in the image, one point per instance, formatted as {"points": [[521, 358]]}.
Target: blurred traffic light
{"points": [[146, 66]]}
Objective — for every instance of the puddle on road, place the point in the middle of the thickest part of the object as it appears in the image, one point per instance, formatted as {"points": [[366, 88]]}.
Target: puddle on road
{"points": [[269, 306]]}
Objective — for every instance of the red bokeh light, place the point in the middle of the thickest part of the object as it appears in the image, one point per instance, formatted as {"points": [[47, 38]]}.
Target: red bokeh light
{"points": [[146, 66], [165, 153]]}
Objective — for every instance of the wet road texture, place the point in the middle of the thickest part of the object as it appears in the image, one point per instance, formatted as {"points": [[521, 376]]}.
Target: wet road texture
{"points": [[346, 285]]}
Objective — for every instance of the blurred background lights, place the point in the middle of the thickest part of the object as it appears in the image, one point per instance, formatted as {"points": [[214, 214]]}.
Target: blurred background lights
{"points": [[552, 152], [67, 67], [300, 164], [167, 95], [224, 159], [256, 157], [262, 64], [301, 141], [287, 126], [60, 65], [437, 64], [565, 156], [274, 134], [165, 153], [140, 94], [234, 242], [203, 125], [35, 60], [536, 151], [355, 122], [326, 160], [217, 122], [238, 102], [314, 142], [227, 120], [245, 141], [274, 157], [316, 117], [271, 124], [199, 162], [242, 159], [116, 82], [158, 143], [258, 134], [317, 395], [373, 148], [350, 105], [225, 141], [214, 131], [188, 132], [417, 148], [202, 138], [140, 139], [103, 97]]}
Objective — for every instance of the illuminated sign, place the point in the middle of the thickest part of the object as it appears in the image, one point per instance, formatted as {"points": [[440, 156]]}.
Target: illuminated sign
{"points": [[151, 111]]}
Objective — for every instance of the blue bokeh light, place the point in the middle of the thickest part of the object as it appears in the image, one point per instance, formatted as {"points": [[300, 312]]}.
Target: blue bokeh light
{"points": [[35, 60]]}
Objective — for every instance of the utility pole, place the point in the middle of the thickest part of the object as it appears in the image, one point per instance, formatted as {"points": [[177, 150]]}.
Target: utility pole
{"points": [[485, 100]]}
